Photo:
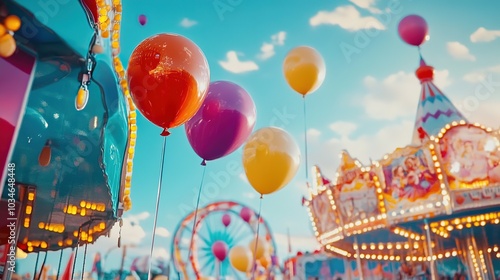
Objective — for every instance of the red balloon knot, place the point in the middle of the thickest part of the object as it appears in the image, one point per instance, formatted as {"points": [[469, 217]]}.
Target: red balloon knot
{"points": [[165, 132]]}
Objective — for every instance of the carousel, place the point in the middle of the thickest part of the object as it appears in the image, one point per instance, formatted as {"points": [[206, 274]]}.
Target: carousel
{"points": [[424, 211], [68, 126]]}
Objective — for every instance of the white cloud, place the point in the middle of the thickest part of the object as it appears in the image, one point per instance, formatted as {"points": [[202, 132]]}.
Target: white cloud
{"points": [[278, 39], [132, 232], [163, 232], [459, 51], [299, 243], [367, 5], [234, 65], [313, 133], [250, 195], [343, 128], [139, 217], [160, 253], [480, 75], [484, 35], [185, 22], [243, 177], [370, 145], [267, 49], [347, 17], [396, 95], [485, 112]]}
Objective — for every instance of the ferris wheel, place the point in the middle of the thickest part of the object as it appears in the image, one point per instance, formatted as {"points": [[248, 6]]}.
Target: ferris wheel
{"points": [[224, 242]]}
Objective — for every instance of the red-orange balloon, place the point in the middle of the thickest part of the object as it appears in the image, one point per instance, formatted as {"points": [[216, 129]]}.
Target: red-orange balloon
{"points": [[168, 77]]}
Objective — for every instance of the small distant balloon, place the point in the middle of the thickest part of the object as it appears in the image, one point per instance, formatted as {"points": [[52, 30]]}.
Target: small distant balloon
{"points": [[143, 19]]}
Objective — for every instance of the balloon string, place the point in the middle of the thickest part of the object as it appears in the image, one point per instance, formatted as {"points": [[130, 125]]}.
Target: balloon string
{"points": [[256, 240], [305, 140], [196, 210], [158, 195]]}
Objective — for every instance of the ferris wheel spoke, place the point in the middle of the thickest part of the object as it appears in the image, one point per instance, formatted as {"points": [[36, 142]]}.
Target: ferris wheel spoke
{"points": [[205, 240], [240, 233], [207, 265]]}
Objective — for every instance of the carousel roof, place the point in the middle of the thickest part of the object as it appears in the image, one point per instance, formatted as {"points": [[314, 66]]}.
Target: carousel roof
{"points": [[435, 110]]}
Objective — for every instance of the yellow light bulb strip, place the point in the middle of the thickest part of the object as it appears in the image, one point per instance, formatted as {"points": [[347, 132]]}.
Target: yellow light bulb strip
{"points": [[408, 234], [109, 23]]}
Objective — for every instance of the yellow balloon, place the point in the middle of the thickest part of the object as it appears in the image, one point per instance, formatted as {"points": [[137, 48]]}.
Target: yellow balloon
{"points": [[262, 247], [161, 277], [265, 261], [241, 258], [304, 69], [271, 158], [7, 45]]}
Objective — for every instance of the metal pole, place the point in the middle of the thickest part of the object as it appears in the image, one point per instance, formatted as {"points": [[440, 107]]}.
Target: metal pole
{"points": [[431, 254], [124, 253], [358, 259]]}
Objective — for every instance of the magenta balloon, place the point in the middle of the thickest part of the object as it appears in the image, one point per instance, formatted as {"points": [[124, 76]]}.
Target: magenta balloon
{"points": [[224, 121], [226, 220], [219, 249], [143, 19], [413, 30], [246, 214]]}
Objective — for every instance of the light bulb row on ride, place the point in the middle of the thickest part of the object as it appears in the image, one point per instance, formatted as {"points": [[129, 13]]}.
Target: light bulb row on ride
{"points": [[109, 23]]}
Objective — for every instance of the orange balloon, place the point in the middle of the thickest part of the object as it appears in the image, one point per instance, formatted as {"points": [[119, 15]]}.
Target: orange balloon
{"points": [[12, 22], [168, 76], [7, 45]]}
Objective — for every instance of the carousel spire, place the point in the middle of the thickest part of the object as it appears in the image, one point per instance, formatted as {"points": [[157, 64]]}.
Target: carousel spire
{"points": [[435, 110]]}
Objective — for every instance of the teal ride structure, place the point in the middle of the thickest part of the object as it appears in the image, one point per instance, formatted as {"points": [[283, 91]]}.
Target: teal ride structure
{"points": [[68, 124]]}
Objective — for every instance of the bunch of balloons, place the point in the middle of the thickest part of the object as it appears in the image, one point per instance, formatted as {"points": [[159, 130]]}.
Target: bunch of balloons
{"points": [[241, 257], [170, 84], [10, 24]]}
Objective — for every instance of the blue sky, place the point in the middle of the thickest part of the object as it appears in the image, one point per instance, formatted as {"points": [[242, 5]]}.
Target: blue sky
{"points": [[366, 104]]}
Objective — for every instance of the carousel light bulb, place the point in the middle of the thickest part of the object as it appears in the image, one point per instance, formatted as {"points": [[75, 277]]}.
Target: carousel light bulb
{"points": [[82, 97]]}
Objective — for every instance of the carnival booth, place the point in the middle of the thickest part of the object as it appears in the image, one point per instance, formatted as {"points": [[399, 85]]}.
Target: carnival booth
{"points": [[431, 207], [67, 121]]}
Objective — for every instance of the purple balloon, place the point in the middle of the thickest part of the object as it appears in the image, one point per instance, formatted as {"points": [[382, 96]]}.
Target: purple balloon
{"points": [[413, 30], [274, 260], [143, 19], [219, 249], [246, 214], [223, 123], [226, 220]]}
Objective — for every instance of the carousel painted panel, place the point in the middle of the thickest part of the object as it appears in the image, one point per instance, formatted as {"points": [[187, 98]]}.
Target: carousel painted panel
{"points": [[356, 196], [411, 184], [470, 157], [325, 217]]}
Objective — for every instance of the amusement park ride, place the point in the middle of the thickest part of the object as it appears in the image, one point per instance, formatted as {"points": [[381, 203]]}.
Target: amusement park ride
{"points": [[68, 126], [422, 205]]}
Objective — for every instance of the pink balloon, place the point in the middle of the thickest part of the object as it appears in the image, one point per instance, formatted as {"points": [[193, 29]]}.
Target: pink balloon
{"points": [[226, 220], [224, 121], [143, 19], [413, 30], [246, 214], [219, 249]]}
